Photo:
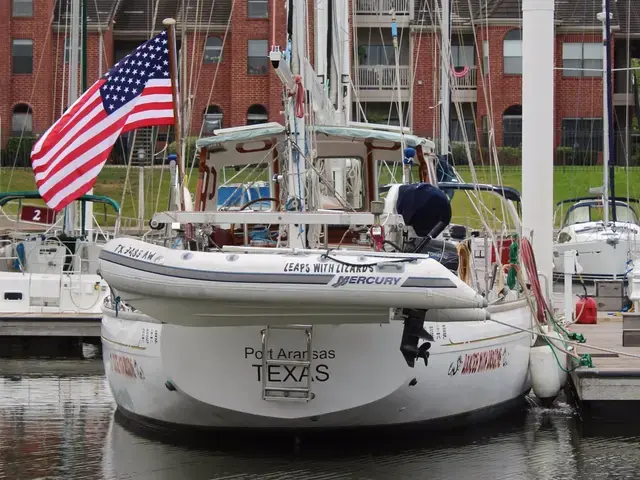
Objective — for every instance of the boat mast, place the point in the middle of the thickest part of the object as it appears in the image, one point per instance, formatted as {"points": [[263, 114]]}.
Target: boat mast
{"points": [[297, 156], [608, 150], [445, 65], [87, 218], [70, 214]]}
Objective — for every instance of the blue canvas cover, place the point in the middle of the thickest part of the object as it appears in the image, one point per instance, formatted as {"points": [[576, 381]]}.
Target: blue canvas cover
{"points": [[422, 206]]}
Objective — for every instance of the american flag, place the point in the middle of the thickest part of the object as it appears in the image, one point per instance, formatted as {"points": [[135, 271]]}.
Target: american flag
{"points": [[135, 93]]}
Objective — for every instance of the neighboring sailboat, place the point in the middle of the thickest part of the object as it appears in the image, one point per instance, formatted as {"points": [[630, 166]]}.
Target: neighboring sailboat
{"points": [[51, 270], [603, 229], [269, 320]]}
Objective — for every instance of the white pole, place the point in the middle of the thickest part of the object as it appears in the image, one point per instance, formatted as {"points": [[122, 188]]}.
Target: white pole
{"points": [[537, 128], [140, 197], [321, 16], [605, 117], [345, 54], [297, 165], [74, 61], [569, 270], [445, 64]]}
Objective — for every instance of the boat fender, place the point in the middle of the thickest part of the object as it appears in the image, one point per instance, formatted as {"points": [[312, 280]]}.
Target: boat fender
{"points": [[18, 263]]}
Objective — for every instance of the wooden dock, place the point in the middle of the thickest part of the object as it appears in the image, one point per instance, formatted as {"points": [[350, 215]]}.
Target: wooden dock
{"points": [[50, 325], [611, 387], [50, 335]]}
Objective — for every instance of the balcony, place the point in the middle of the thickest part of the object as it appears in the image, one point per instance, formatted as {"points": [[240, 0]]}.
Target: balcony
{"points": [[380, 82], [465, 88], [378, 12]]}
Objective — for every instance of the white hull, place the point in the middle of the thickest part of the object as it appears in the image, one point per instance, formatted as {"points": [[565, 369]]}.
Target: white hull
{"points": [[598, 259], [51, 282], [360, 378]]}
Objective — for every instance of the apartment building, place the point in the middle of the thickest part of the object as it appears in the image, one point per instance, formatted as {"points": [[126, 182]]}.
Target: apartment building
{"points": [[230, 82]]}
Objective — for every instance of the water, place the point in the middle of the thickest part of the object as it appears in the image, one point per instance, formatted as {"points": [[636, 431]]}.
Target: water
{"points": [[57, 422]]}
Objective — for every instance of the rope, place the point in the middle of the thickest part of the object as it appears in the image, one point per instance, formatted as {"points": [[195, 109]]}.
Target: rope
{"points": [[529, 262], [464, 271], [570, 342], [299, 97]]}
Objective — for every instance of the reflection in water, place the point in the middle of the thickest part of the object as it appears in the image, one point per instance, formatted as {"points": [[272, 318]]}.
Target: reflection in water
{"points": [[55, 426]]}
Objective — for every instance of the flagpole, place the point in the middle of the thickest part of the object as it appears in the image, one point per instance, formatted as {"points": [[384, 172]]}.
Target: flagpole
{"points": [[170, 23]]}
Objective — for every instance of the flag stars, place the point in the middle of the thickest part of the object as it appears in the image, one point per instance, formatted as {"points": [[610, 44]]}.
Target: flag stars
{"points": [[127, 79]]}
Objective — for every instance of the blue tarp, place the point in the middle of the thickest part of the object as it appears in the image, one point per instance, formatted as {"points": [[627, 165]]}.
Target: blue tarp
{"points": [[239, 195]]}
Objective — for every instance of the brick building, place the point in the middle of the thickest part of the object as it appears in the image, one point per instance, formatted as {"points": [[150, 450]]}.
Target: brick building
{"points": [[235, 85]]}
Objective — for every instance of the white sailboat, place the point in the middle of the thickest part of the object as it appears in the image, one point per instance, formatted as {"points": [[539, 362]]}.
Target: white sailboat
{"points": [[269, 321], [49, 270], [603, 229]]}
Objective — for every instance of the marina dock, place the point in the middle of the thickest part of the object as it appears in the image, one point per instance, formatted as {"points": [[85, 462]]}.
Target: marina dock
{"points": [[51, 325], [611, 387], [50, 335]]}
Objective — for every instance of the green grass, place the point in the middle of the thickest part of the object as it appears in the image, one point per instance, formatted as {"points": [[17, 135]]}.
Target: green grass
{"points": [[568, 182]]}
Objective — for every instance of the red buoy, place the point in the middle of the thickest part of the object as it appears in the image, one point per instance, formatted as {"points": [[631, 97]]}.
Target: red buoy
{"points": [[586, 310]]}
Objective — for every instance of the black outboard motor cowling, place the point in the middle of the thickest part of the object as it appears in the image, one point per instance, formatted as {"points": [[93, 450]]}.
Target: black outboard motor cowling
{"points": [[422, 206]]}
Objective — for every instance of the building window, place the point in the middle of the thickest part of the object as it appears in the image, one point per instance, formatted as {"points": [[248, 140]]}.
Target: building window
{"points": [[257, 57], [377, 55], [212, 119], [462, 56], [22, 53], [582, 134], [462, 130], [22, 121], [258, 8], [257, 114], [512, 126], [512, 53], [67, 50], [485, 132], [22, 8], [213, 50], [578, 56], [485, 57]]}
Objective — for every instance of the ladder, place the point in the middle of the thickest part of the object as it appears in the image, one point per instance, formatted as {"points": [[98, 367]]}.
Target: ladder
{"points": [[275, 392]]}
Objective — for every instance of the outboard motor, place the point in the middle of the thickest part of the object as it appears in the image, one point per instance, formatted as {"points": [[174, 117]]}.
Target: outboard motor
{"points": [[427, 210]]}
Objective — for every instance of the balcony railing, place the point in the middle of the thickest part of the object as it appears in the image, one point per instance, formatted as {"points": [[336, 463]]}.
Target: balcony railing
{"points": [[382, 77], [382, 7], [468, 81]]}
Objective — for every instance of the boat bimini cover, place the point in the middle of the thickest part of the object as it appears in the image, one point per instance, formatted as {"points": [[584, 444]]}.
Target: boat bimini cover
{"points": [[422, 206]]}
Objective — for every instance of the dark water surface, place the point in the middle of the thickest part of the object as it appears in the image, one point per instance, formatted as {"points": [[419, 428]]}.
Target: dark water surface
{"points": [[57, 422]]}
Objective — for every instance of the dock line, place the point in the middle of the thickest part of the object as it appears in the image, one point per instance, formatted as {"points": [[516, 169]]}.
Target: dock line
{"points": [[570, 342]]}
